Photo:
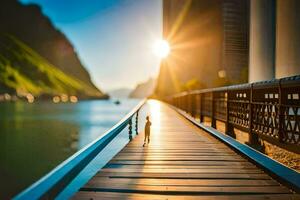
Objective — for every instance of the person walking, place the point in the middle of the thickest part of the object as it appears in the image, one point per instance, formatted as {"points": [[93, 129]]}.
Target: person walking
{"points": [[147, 131]]}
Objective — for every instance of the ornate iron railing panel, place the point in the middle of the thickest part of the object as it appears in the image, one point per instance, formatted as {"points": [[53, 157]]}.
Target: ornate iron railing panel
{"points": [[266, 119], [269, 110]]}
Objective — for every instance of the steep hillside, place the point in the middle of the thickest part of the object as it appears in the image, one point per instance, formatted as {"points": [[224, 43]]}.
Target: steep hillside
{"points": [[28, 24], [143, 90], [22, 71]]}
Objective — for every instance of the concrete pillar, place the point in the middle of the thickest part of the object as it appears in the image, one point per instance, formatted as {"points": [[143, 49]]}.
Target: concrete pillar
{"points": [[262, 40], [287, 38]]}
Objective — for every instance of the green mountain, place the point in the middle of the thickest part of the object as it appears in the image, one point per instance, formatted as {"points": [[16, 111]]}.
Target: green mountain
{"points": [[28, 24], [22, 70]]}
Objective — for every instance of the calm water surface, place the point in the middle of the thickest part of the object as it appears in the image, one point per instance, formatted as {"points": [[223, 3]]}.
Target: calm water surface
{"points": [[34, 138]]}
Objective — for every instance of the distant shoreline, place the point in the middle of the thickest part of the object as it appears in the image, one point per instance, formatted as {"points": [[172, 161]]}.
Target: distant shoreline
{"points": [[63, 98]]}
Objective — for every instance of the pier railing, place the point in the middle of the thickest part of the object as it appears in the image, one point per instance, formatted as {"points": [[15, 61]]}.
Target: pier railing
{"points": [[49, 186], [268, 110]]}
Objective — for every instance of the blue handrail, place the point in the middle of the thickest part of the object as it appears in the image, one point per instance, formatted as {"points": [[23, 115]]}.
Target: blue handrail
{"points": [[56, 180]]}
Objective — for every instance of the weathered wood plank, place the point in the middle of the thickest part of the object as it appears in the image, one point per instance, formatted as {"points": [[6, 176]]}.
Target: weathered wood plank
{"points": [[98, 181], [160, 154], [194, 190], [165, 166], [186, 170], [237, 175], [176, 162], [182, 158], [114, 195]]}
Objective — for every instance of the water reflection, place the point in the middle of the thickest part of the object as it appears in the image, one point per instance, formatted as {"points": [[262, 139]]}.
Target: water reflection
{"points": [[34, 138]]}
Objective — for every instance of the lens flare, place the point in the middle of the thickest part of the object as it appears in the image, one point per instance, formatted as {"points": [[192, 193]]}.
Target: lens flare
{"points": [[161, 48]]}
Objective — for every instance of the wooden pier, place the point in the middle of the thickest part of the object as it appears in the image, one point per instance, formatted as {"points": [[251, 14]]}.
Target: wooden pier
{"points": [[182, 161], [186, 158]]}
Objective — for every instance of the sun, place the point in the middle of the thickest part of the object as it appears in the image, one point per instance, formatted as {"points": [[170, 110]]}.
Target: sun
{"points": [[161, 48]]}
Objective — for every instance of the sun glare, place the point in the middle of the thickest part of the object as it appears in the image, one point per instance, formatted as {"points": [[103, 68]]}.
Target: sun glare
{"points": [[161, 48]]}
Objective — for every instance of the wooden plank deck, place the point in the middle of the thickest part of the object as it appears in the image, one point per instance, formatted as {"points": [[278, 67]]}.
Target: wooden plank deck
{"points": [[181, 162]]}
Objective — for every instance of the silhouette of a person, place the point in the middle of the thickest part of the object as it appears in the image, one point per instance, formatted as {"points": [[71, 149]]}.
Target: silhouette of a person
{"points": [[147, 131]]}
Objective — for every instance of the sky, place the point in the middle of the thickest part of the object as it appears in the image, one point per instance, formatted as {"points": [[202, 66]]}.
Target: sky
{"points": [[113, 38]]}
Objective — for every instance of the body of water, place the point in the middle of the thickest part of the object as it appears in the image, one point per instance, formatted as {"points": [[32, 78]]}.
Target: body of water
{"points": [[35, 138]]}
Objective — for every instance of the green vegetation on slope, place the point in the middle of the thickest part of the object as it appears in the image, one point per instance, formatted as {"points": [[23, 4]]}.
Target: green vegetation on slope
{"points": [[28, 23], [22, 71]]}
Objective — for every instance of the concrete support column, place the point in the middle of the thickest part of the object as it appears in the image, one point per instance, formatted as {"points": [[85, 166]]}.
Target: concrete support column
{"points": [[287, 38], [262, 40]]}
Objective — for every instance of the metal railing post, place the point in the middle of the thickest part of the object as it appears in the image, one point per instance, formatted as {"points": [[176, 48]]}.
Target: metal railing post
{"points": [[229, 130], [281, 113], [193, 96], [213, 108], [186, 103], [253, 137], [130, 129], [136, 122], [190, 100], [200, 109]]}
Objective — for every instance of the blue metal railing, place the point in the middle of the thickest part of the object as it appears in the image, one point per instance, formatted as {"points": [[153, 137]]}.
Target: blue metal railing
{"points": [[55, 181]]}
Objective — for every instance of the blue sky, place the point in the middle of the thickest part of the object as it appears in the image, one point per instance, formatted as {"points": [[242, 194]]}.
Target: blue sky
{"points": [[113, 38]]}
